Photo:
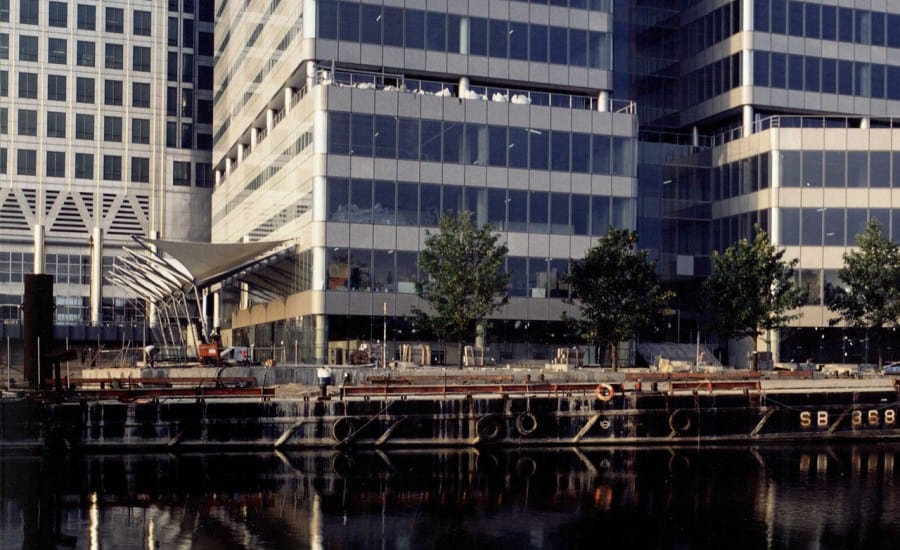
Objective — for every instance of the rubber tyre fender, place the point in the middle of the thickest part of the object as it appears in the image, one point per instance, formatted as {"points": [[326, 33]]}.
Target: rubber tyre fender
{"points": [[682, 420], [489, 428], [342, 428], [526, 424]]}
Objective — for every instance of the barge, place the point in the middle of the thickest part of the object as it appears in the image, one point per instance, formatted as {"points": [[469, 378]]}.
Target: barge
{"points": [[622, 410]]}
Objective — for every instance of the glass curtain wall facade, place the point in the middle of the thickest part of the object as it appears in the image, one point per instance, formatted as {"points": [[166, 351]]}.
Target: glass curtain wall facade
{"points": [[355, 144], [102, 105]]}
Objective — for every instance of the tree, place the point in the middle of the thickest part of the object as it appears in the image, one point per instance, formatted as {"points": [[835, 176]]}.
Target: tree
{"points": [[870, 296], [463, 277], [617, 290], [752, 289]]}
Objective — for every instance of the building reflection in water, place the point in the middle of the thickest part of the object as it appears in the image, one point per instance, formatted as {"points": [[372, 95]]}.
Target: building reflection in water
{"points": [[767, 497]]}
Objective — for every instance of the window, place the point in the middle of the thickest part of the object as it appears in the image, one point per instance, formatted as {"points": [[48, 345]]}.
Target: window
{"points": [[187, 68], [187, 135], [56, 164], [187, 102], [115, 18], [140, 130], [141, 58], [142, 23], [28, 48], [172, 32], [205, 43], [140, 169], [56, 87], [87, 17], [27, 122], [181, 173], [204, 174], [58, 14], [84, 126], [84, 89], [4, 83], [112, 128], [172, 67], [140, 94], [84, 54], [28, 12], [26, 162], [2, 153], [172, 101], [84, 166], [112, 168], [57, 50], [204, 111], [4, 120], [4, 13], [204, 77], [56, 125], [171, 134], [112, 92], [114, 56], [187, 33], [4, 45]]}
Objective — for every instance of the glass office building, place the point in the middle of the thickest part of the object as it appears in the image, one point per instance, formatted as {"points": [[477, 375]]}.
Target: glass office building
{"points": [[350, 127], [105, 133]]}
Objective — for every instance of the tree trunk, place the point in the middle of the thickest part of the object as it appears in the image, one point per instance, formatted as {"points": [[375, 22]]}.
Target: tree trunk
{"points": [[459, 352], [614, 355]]}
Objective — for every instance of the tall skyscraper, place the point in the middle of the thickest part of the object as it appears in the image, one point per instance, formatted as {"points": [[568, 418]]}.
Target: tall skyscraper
{"points": [[352, 126], [105, 133]]}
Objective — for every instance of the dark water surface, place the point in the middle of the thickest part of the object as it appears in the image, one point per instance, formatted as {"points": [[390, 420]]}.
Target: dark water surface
{"points": [[838, 496]]}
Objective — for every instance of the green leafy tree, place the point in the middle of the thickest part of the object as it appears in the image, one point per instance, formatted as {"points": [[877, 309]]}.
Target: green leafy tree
{"points": [[463, 277], [870, 295], [617, 290], [752, 289]]}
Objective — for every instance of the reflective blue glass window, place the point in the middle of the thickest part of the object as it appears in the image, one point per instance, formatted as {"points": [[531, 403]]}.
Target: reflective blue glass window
{"points": [[453, 141], [857, 168], [760, 68], [829, 22], [893, 82], [845, 24], [559, 45], [581, 215], [338, 198], [578, 47], [795, 72], [893, 35], [518, 41], [475, 142], [811, 75], [517, 210], [498, 38], [599, 215], [385, 137], [361, 135], [517, 268], [348, 21], [863, 80], [371, 18], [811, 220], [878, 19], [845, 77], [795, 18], [328, 19], [777, 76], [895, 174], [622, 213], [452, 200], [360, 201], [537, 35], [600, 159], [829, 76], [880, 169], [790, 169], [812, 168], [538, 149], [429, 204], [812, 17], [436, 37], [454, 37], [835, 168], [559, 151], [414, 29], [339, 133], [856, 223], [496, 205], [878, 87], [538, 211], [834, 227], [408, 139], [407, 203], [598, 50], [517, 149], [430, 145], [761, 15], [392, 20], [863, 26], [581, 153], [778, 23], [478, 36], [622, 162], [497, 146], [559, 214], [790, 227]]}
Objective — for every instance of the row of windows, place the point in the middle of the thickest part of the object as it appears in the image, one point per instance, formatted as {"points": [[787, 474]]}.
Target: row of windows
{"points": [[831, 226], [181, 174], [840, 169], [814, 74], [55, 165], [86, 17], [710, 29], [478, 144], [739, 178], [383, 202], [85, 53], [84, 89], [711, 80], [370, 24], [27, 125], [814, 20]]}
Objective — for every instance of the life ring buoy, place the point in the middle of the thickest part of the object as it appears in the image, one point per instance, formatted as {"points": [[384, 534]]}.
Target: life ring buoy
{"points": [[682, 420], [342, 428], [489, 428], [526, 423], [605, 392]]}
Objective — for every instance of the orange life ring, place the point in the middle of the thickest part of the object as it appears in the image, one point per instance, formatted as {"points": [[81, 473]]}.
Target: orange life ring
{"points": [[605, 392]]}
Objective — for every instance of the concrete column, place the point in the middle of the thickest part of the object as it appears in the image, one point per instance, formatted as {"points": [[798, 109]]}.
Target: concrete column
{"points": [[218, 177], [96, 275], [603, 101], [217, 310], [240, 153], [228, 166], [270, 119], [463, 86], [254, 137], [695, 137], [321, 339], [40, 256], [865, 122], [288, 97], [748, 120], [152, 312]]}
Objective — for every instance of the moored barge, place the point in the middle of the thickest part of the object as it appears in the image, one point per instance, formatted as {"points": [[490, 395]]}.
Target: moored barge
{"points": [[666, 410]]}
